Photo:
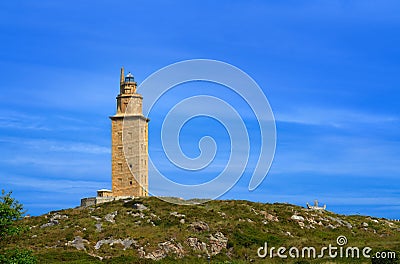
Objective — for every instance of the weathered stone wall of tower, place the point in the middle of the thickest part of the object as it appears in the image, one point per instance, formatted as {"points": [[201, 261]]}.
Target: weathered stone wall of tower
{"points": [[129, 151], [135, 150]]}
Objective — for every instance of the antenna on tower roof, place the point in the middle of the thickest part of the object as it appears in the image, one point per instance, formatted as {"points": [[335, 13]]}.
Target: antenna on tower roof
{"points": [[122, 75]]}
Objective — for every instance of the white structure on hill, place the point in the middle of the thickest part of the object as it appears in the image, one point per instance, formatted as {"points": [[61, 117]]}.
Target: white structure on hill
{"points": [[315, 206]]}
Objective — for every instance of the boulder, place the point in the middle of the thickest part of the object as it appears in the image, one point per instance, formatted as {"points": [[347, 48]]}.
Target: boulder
{"points": [[127, 243], [139, 206], [177, 214], [96, 218], [218, 242], [78, 243], [297, 218], [58, 216], [98, 227], [200, 226], [110, 217], [165, 249], [341, 222], [50, 223], [196, 245]]}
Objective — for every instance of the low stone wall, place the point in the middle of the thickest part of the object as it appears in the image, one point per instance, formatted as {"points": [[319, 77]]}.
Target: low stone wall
{"points": [[85, 202], [89, 201]]}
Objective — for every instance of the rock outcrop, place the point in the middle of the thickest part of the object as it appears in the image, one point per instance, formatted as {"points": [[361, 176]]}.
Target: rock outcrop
{"points": [[164, 249], [127, 243], [200, 226], [78, 243]]}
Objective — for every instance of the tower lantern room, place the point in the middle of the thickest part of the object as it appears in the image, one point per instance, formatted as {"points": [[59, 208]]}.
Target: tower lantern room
{"points": [[127, 84], [129, 78]]}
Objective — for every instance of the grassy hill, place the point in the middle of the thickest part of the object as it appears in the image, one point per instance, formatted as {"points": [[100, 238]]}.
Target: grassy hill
{"points": [[146, 230]]}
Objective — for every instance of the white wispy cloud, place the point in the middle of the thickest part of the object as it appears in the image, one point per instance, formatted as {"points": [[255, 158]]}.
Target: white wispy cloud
{"points": [[332, 117], [57, 145], [51, 185], [18, 120], [309, 115], [78, 147], [342, 155]]}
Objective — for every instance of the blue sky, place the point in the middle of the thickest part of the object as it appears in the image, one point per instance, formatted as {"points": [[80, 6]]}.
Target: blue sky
{"points": [[329, 70]]}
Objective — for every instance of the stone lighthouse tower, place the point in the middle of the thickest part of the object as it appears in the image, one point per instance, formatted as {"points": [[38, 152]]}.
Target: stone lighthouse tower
{"points": [[129, 147], [129, 151]]}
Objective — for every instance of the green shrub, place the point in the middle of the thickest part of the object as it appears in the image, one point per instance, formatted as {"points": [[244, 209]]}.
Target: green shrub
{"points": [[10, 211], [17, 256]]}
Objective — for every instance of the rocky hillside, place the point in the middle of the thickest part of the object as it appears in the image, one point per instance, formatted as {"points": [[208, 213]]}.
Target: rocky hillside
{"points": [[146, 230]]}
